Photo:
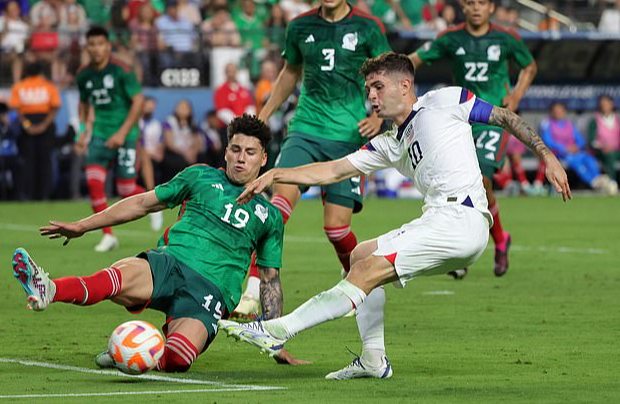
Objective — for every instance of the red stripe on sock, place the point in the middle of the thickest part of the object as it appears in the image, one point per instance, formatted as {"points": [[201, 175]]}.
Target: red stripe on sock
{"points": [[179, 354], [102, 285], [283, 205]]}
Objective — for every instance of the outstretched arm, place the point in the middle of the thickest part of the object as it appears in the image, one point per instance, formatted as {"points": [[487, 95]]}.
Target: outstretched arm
{"points": [[325, 173], [283, 87], [514, 124], [123, 211]]}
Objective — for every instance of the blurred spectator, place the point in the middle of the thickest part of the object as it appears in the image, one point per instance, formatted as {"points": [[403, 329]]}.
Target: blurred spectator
{"points": [[70, 14], [410, 12], [610, 19], [178, 36], [37, 101], [152, 131], [276, 27], [513, 167], [190, 12], [13, 36], [604, 136], [24, 7], [44, 45], [231, 99], [549, 23], [182, 142], [98, 11], [120, 36], [292, 8], [513, 16], [44, 9], [216, 139], [268, 76], [563, 138], [431, 15], [250, 24], [220, 30], [146, 41], [73, 24], [9, 159]]}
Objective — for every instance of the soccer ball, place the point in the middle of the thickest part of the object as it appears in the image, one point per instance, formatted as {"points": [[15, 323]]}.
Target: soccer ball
{"points": [[136, 346]]}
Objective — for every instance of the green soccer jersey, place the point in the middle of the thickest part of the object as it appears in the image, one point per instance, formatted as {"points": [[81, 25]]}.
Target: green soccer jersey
{"points": [[109, 91], [479, 64], [332, 99], [215, 236]]}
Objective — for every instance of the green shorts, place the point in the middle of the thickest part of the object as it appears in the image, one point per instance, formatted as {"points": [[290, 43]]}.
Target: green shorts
{"points": [[299, 149], [181, 292], [123, 157], [490, 147]]}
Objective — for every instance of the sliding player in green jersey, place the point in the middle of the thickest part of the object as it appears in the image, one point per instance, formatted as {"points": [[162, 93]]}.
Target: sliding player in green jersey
{"points": [[196, 272], [325, 47], [479, 53]]}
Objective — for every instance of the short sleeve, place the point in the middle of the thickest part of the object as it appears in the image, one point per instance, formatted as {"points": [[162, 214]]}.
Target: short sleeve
{"points": [[269, 248], [373, 156], [178, 189], [433, 51], [472, 109], [131, 84], [520, 52], [378, 41], [291, 51]]}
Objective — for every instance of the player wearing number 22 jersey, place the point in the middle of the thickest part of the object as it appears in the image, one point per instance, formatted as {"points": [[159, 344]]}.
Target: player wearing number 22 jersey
{"points": [[479, 53], [111, 89]]}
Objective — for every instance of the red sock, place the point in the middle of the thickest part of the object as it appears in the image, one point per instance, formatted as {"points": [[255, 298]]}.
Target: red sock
{"points": [[128, 187], [503, 178], [540, 175], [88, 290], [253, 267], [95, 180], [179, 354], [497, 232], [520, 173], [284, 205], [344, 241]]}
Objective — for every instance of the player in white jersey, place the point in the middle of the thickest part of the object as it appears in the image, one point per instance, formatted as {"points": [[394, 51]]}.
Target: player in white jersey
{"points": [[432, 144]]}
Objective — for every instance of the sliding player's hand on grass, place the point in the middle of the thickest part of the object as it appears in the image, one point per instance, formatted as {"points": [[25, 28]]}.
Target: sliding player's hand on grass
{"points": [[61, 229], [285, 358], [256, 187]]}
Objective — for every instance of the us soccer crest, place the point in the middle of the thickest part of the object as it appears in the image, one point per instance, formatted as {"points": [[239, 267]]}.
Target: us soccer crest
{"points": [[261, 212], [349, 41], [493, 53]]}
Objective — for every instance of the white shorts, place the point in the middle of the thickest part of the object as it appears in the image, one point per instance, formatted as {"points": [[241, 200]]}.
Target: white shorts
{"points": [[443, 239]]}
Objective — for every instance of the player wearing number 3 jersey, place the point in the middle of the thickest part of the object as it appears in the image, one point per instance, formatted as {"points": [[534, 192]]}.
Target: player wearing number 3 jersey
{"points": [[196, 272], [479, 53], [432, 144], [325, 47]]}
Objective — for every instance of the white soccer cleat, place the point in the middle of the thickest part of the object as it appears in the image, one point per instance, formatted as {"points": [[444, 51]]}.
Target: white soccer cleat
{"points": [[247, 308], [254, 334], [108, 243], [38, 286], [157, 220], [104, 360], [357, 370]]}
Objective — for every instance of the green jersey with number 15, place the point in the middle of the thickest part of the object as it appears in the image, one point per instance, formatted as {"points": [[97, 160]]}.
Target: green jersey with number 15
{"points": [[332, 99], [216, 237], [109, 91], [479, 63]]}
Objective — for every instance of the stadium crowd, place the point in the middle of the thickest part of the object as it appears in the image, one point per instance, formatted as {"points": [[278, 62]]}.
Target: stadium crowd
{"points": [[46, 38]]}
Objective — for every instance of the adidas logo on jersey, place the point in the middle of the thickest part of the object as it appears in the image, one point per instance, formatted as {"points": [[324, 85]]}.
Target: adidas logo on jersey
{"points": [[460, 51], [310, 38]]}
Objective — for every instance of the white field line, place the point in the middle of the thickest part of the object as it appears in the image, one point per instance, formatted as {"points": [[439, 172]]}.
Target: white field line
{"points": [[145, 377], [121, 393], [439, 293], [323, 240]]}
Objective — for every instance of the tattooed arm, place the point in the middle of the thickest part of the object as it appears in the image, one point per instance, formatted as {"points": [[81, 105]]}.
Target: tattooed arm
{"points": [[271, 301], [270, 292], [514, 124]]}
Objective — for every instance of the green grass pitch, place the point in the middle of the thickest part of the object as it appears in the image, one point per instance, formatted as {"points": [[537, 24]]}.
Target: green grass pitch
{"points": [[547, 332]]}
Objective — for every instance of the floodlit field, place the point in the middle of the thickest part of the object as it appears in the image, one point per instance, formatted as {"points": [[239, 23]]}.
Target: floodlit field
{"points": [[547, 332]]}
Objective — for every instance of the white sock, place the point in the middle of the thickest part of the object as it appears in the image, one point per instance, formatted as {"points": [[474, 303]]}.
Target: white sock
{"points": [[325, 306], [253, 288], [370, 319]]}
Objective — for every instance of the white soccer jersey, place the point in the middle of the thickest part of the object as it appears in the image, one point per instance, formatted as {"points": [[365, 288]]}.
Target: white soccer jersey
{"points": [[435, 148]]}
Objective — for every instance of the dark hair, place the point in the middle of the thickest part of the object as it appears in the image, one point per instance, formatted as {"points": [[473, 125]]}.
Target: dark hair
{"points": [[97, 30], [389, 62], [250, 125], [33, 69]]}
